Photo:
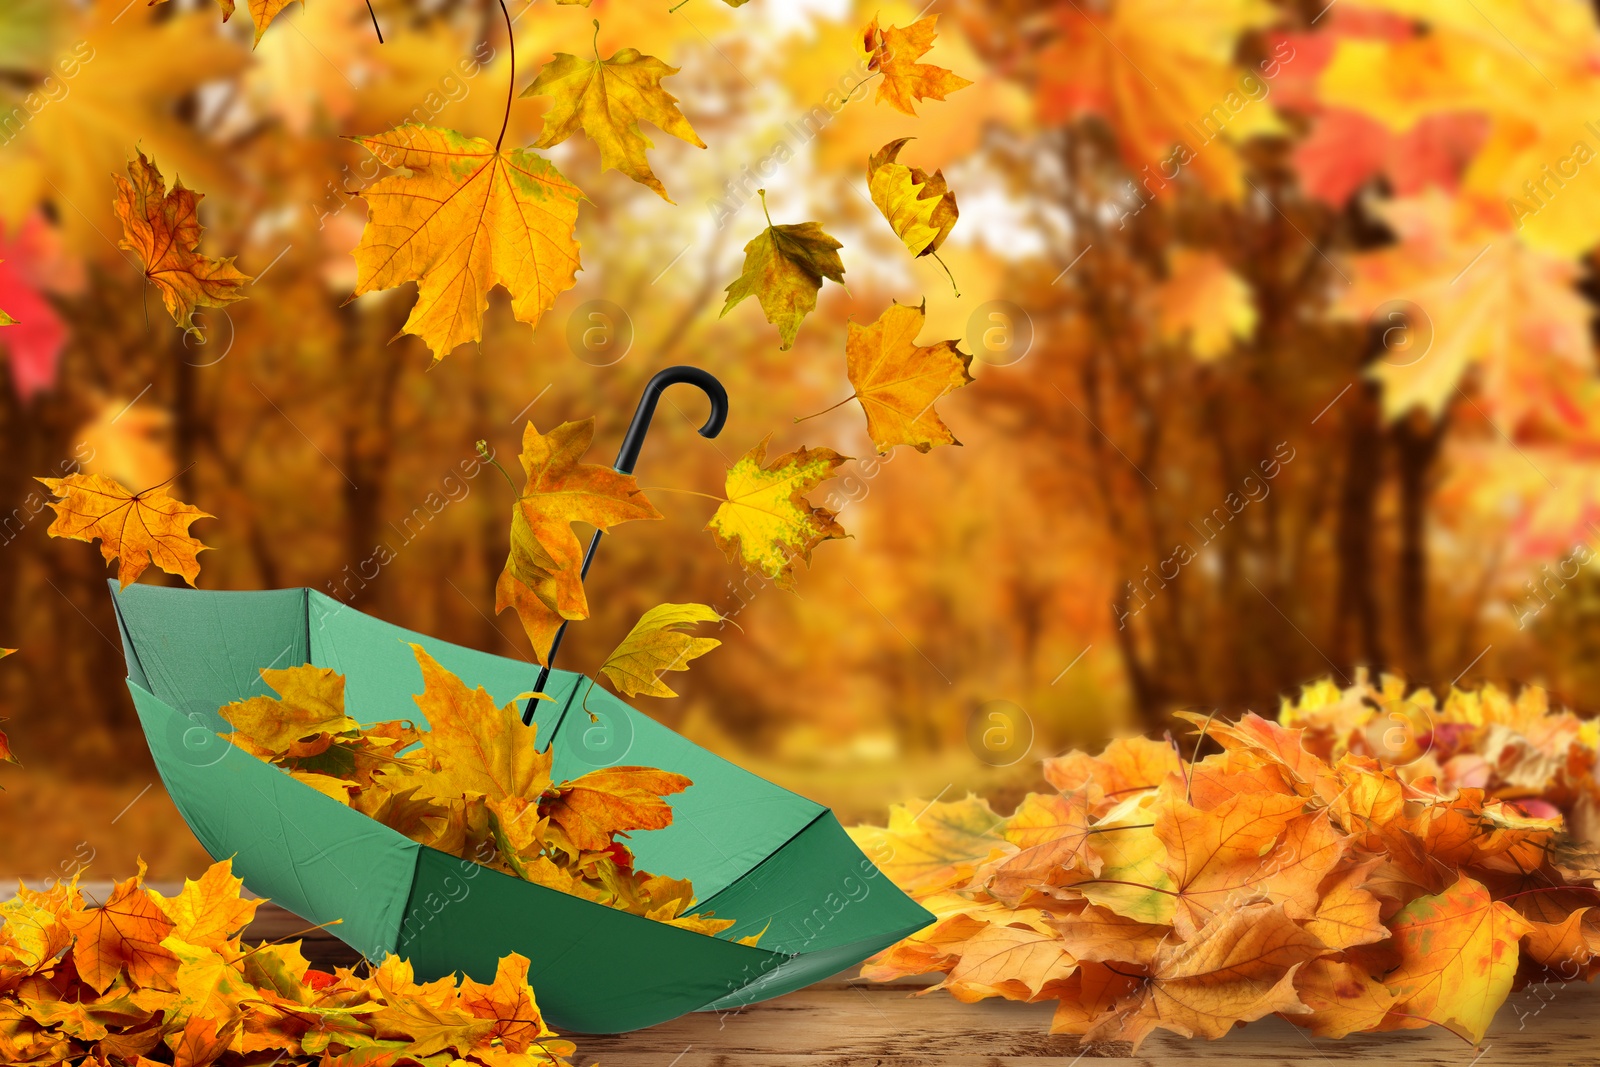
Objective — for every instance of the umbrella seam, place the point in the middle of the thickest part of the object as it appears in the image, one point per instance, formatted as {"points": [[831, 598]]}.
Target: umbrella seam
{"points": [[130, 653], [561, 716], [770, 857]]}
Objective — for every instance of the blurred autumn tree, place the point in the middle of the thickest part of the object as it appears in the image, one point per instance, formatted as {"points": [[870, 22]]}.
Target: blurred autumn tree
{"points": [[1306, 389], [1326, 387]]}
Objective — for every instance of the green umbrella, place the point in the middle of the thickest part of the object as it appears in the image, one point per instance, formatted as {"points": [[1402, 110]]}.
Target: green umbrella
{"points": [[756, 852]]}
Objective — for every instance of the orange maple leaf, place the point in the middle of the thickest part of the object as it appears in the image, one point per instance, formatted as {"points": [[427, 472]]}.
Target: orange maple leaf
{"points": [[542, 580], [163, 230], [124, 933], [1237, 969], [898, 381], [894, 51], [135, 529], [594, 808]]}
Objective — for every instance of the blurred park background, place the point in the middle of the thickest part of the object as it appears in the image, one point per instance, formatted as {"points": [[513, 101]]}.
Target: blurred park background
{"points": [[1283, 316]]}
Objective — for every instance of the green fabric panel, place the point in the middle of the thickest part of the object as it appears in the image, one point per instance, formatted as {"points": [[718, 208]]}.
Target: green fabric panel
{"points": [[797, 972], [722, 826], [311, 854], [200, 649], [818, 892], [593, 969], [381, 672]]}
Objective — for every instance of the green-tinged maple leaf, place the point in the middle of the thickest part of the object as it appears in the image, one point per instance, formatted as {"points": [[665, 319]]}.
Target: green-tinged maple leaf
{"points": [[657, 644], [765, 524], [783, 269]]}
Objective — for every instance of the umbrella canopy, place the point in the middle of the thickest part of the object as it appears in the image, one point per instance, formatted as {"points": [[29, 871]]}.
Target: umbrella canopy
{"points": [[755, 851]]}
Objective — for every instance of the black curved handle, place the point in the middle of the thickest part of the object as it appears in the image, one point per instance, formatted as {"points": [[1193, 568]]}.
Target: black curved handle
{"points": [[633, 440], [628, 456]]}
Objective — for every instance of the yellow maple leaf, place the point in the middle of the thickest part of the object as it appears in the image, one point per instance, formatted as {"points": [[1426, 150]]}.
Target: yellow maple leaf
{"points": [[657, 644], [475, 746], [783, 268], [542, 580], [1458, 955], [898, 381], [210, 911], [163, 230], [894, 51], [930, 847], [607, 99], [766, 524], [1203, 303], [918, 206], [463, 216], [299, 721], [136, 529]]}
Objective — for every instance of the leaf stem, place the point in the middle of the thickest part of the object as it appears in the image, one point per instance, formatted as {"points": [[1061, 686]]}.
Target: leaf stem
{"points": [[511, 82], [168, 481], [763, 194], [688, 492], [947, 274], [483, 450], [595, 44], [859, 84], [375, 27], [673, 9], [827, 409]]}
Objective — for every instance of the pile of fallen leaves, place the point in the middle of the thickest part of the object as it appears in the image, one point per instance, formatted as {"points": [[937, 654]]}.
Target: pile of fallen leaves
{"points": [[474, 785], [145, 979], [1374, 860]]}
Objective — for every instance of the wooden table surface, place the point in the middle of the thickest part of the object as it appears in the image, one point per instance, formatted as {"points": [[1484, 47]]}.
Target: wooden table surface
{"points": [[848, 1023]]}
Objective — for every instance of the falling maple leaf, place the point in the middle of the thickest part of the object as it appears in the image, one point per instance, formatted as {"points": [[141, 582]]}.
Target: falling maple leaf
{"points": [[657, 644], [783, 268], [542, 580], [607, 99], [765, 523], [898, 381], [163, 230], [1203, 303], [135, 529], [463, 216], [894, 51], [919, 207]]}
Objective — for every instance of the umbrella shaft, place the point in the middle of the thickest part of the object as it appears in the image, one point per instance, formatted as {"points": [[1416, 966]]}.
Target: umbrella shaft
{"points": [[549, 660]]}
